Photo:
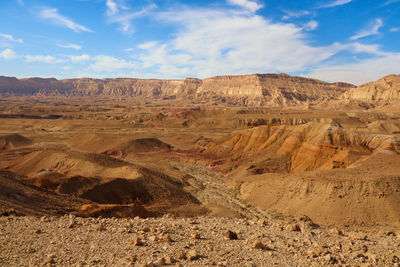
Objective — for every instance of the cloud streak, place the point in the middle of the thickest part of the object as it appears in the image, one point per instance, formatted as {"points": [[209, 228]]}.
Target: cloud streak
{"points": [[120, 14], [372, 29], [389, 2], [336, 3], [295, 14], [43, 59], [70, 46], [81, 58], [53, 15], [9, 37]]}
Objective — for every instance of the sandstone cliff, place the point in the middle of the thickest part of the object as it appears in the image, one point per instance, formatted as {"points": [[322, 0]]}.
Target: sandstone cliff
{"points": [[386, 90], [255, 89]]}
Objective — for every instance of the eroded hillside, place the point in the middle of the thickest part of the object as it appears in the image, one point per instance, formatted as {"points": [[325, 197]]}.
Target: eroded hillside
{"points": [[335, 167]]}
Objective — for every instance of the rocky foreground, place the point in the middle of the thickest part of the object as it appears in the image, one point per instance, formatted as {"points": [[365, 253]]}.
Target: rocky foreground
{"points": [[203, 241]]}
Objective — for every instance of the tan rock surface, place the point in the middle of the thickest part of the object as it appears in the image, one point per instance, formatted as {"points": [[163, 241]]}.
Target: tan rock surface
{"points": [[386, 89]]}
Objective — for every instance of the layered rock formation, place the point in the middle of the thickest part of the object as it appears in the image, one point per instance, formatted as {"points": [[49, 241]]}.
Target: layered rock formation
{"points": [[295, 149], [386, 89], [257, 89]]}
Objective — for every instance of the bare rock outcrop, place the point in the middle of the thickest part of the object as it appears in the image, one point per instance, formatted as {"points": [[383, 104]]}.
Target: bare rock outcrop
{"points": [[386, 90]]}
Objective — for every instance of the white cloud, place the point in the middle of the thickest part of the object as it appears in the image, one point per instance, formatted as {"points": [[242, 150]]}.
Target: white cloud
{"points": [[104, 63], [112, 7], [57, 18], [147, 45], [121, 14], [372, 29], [21, 2], [389, 2], [216, 42], [252, 6], [9, 37], [311, 25], [373, 49], [72, 46], [361, 71], [66, 68], [394, 29], [80, 58], [336, 3], [43, 59], [8, 54], [295, 14]]}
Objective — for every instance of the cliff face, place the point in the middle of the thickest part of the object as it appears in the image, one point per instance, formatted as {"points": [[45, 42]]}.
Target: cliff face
{"points": [[386, 89], [260, 89]]}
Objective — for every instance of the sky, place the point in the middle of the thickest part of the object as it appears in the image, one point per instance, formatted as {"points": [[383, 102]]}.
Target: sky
{"points": [[353, 41]]}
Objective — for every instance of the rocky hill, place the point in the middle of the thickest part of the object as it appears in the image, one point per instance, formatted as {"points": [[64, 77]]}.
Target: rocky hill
{"points": [[386, 89], [256, 89]]}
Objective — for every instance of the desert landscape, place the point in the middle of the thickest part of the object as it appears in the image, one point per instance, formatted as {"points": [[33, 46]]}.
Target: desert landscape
{"points": [[230, 133], [241, 170]]}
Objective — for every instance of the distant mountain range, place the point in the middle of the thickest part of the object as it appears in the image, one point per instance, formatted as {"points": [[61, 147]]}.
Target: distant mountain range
{"points": [[254, 89]]}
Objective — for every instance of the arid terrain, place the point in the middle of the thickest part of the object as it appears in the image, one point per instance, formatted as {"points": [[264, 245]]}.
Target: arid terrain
{"points": [[133, 172]]}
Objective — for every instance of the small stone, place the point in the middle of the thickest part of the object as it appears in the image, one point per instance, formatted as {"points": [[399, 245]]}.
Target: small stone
{"points": [[306, 222], [262, 222], [231, 235], [49, 262], [161, 262], [335, 231], [327, 257], [371, 257], [293, 227], [98, 227], [136, 241], [357, 236], [152, 238], [71, 224], [44, 219], [196, 236], [181, 255], [131, 259], [169, 260], [316, 251], [347, 246], [31, 250], [167, 238], [192, 255], [258, 245]]}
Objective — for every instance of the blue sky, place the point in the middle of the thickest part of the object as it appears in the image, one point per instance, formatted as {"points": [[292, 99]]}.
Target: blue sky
{"points": [[333, 40]]}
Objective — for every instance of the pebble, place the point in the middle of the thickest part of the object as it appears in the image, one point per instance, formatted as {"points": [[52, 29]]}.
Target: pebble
{"points": [[231, 235]]}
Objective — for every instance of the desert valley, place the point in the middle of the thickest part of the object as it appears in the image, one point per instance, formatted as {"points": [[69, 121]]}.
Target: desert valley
{"points": [[248, 170]]}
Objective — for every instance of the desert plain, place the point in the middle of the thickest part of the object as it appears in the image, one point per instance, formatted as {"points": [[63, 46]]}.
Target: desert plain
{"points": [[250, 170]]}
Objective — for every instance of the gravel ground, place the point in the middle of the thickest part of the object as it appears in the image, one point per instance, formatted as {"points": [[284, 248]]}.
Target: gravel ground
{"points": [[203, 241]]}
